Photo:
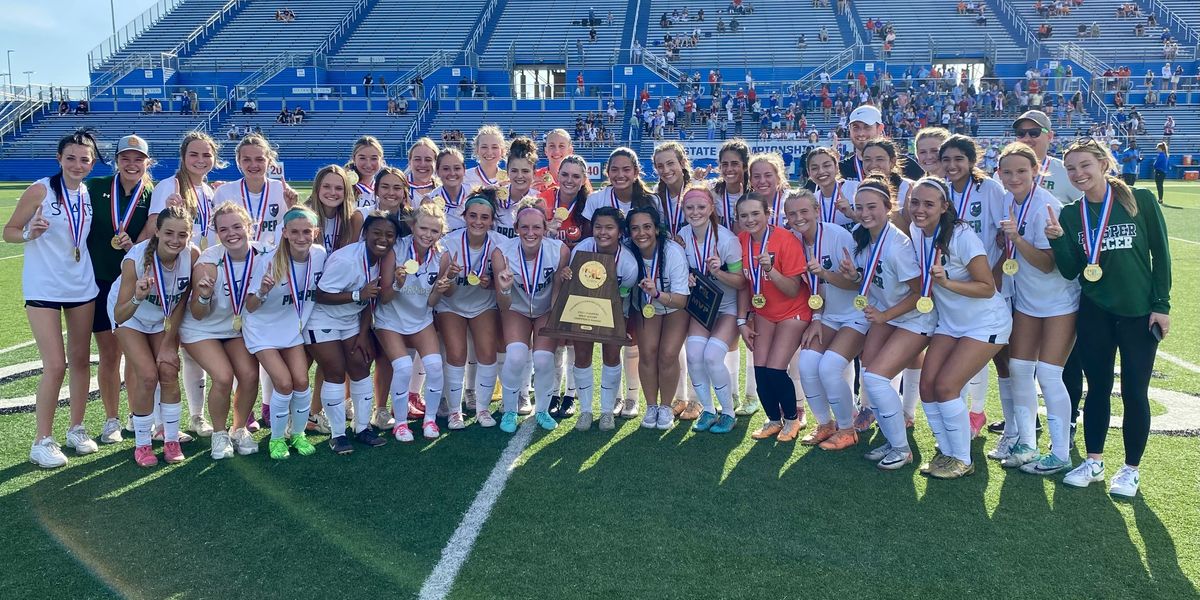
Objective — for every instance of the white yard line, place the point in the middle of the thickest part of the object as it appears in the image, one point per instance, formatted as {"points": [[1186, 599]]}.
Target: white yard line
{"points": [[1175, 239], [439, 583], [12, 257], [17, 347], [1193, 367]]}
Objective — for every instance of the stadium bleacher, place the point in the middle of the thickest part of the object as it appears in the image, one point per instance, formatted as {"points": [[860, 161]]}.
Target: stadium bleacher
{"points": [[163, 131], [559, 35], [255, 37], [956, 35], [325, 134], [169, 31], [397, 34], [1185, 10], [1116, 43]]}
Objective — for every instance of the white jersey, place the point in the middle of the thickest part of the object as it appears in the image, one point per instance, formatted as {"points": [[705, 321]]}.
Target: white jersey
{"points": [[626, 268], [278, 321], [218, 324], [727, 247], [452, 204], [982, 207], [409, 311], [50, 272], [1057, 182], [331, 229], [604, 197], [506, 213], [1035, 293], [960, 315], [670, 209], [202, 228], [835, 243], [470, 300], [174, 282], [897, 266], [540, 272], [266, 212], [346, 270], [475, 177], [366, 197], [674, 276], [726, 205], [829, 211]]}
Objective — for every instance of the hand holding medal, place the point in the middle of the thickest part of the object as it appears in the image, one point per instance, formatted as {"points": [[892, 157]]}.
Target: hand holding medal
{"points": [[930, 258], [1012, 230], [760, 268], [876, 258], [239, 288], [813, 276], [121, 219]]}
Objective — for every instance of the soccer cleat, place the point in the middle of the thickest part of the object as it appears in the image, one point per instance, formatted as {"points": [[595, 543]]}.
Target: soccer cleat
{"points": [[691, 412], [456, 421], [340, 445], [555, 403], [243, 442], [584, 422], [222, 446], [568, 407], [650, 421], [840, 440], [678, 406], [509, 422], [278, 449], [1088, 471], [666, 418], [768, 430], [1020, 455], [78, 438], [402, 433], [545, 421], [469, 400], [1125, 482], [1003, 448], [430, 431], [111, 434], [864, 420], [996, 426], [381, 418], [485, 419], [251, 424], [820, 434], [524, 406], [416, 406], [368, 437], [608, 422], [157, 436], [1046, 464], [935, 462], [144, 456], [724, 424], [629, 409], [200, 426], [790, 431], [172, 452], [748, 407], [894, 460], [978, 420], [47, 454], [952, 468], [317, 423], [706, 421], [877, 454], [300, 442]]}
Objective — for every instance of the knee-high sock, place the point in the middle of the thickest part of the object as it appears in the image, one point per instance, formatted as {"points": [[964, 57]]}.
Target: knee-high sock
{"points": [[402, 369], [1058, 408], [809, 365], [433, 385], [472, 364], [1023, 398], [333, 400], [783, 385], [683, 390], [633, 384], [864, 397], [572, 383], [770, 397], [266, 386], [362, 393], [417, 382], [527, 379], [751, 375], [156, 413], [694, 346], [958, 428], [889, 410], [912, 392], [485, 386], [560, 369], [933, 416], [301, 404], [585, 390], [281, 410], [454, 387], [733, 365], [142, 429], [715, 364], [171, 414], [832, 371], [193, 384], [517, 356], [544, 374], [610, 384], [1005, 391], [977, 388]]}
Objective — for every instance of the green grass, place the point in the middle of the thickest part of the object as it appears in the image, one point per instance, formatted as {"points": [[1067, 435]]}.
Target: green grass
{"points": [[629, 514]]}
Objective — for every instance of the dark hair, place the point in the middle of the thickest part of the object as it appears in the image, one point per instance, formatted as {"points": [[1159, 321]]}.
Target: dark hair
{"points": [[611, 213], [742, 149], [893, 153], [170, 212], [880, 184], [641, 193], [79, 137], [949, 219], [399, 224], [585, 190], [756, 197], [660, 238], [522, 148], [968, 147]]}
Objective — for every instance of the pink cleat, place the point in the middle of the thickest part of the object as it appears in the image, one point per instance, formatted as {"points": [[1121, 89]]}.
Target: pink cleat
{"points": [[144, 456], [172, 453], [978, 420]]}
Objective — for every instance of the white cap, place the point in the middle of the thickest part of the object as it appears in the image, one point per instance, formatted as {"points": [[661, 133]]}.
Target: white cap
{"points": [[866, 114]]}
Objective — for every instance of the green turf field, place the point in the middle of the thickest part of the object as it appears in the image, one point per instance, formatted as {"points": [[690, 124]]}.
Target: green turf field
{"points": [[628, 514]]}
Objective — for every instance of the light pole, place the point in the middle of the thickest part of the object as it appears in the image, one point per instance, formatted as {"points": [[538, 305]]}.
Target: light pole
{"points": [[10, 83]]}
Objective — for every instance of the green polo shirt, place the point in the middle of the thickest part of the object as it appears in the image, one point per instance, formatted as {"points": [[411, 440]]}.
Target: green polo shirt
{"points": [[106, 261]]}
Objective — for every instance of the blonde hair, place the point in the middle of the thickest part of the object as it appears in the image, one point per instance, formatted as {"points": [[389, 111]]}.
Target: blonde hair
{"points": [[283, 252], [1020, 149], [368, 141], [258, 140], [233, 208], [183, 179], [1108, 163], [685, 164], [775, 161], [349, 201], [432, 210], [937, 133], [488, 130], [398, 174]]}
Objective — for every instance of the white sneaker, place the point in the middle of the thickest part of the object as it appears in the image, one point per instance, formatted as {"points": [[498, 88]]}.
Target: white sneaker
{"points": [[485, 419], [222, 446], [879, 453], [456, 421], [129, 423], [46, 454], [629, 409], [469, 400], [666, 417], [111, 434], [243, 442], [1125, 482], [524, 406], [157, 435], [650, 421], [200, 425], [319, 423], [1003, 448], [1088, 471], [382, 418], [78, 438]]}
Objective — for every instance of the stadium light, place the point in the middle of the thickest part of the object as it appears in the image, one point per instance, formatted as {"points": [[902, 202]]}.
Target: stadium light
{"points": [[10, 83]]}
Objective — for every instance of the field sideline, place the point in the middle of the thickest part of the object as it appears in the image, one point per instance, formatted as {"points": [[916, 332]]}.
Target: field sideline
{"points": [[630, 513]]}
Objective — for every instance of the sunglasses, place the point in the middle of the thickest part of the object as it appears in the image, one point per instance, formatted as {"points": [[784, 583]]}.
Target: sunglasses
{"points": [[1032, 132]]}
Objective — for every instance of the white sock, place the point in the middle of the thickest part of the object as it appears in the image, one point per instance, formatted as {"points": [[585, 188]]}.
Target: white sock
{"points": [[454, 387], [809, 365], [469, 380], [333, 401], [1005, 391], [683, 389], [301, 403], [193, 384], [933, 416], [560, 370], [572, 383], [888, 409], [485, 386], [912, 393], [610, 384], [511, 376], [281, 409], [362, 393], [1058, 408], [401, 374], [142, 424], [841, 401], [544, 374], [418, 378], [751, 381], [694, 346], [266, 387], [733, 366], [1023, 398], [633, 384], [977, 388], [584, 388], [716, 353], [958, 428], [433, 385], [170, 417]]}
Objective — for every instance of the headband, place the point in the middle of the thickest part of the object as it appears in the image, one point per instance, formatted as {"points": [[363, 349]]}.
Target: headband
{"points": [[874, 187], [479, 199]]}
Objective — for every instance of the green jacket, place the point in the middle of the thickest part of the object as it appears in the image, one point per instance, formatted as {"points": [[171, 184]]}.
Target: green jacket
{"points": [[106, 261]]}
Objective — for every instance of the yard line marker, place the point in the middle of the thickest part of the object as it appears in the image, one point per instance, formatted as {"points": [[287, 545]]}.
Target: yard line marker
{"points": [[12, 257], [437, 586], [1193, 367], [18, 346], [1183, 240]]}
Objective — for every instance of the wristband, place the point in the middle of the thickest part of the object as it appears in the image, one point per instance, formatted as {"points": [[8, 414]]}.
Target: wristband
{"points": [[507, 292], [25, 235], [135, 301], [741, 322], [204, 301], [354, 296], [261, 296]]}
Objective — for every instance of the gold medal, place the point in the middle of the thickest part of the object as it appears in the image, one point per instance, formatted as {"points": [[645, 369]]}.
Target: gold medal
{"points": [[547, 177], [1010, 266], [237, 322], [411, 266], [815, 302], [758, 301], [472, 279], [925, 305], [167, 326], [860, 302], [561, 213], [77, 258], [115, 242], [648, 311], [203, 243], [1091, 272]]}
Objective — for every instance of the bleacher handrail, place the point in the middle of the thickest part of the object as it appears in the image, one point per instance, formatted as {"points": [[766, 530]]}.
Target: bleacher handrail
{"points": [[341, 28], [202, 30], [1077, 53], [1033, 47], [1163, 13], [435, 61], [477, 34], [21, 110], [248, 86], [662, 67], [113, 44], [423, 114]]}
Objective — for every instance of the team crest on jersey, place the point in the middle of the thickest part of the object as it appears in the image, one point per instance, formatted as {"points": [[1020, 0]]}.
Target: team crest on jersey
{"points": [[976, 209], [827, 263], [274, 210]]}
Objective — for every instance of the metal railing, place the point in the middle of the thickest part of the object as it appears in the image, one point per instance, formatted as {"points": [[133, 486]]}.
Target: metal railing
{"points": [[437, 60], [531, 91], [477, 35], [836, 64], [204, 29], [132, 29], [1033, 47], [424, 114], [662, 67], [16, 113], [341, 28], [249, 85], [1074, 52], [1164, 14]]}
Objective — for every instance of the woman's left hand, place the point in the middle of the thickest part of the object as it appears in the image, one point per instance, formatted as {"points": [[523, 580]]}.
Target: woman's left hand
{"points": [[1164, 321]]}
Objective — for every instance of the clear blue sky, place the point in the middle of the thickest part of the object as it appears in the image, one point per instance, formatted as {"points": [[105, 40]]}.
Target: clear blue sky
{"points": [[52, 37]]}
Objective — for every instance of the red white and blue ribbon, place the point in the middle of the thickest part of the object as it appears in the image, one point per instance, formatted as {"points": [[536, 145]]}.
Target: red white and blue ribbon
{"points": [[238, 291], [828, 212], [653, 276], [876, 257], [261, 214], [298, 291], [483, 254], [777, 215], [755, 265], [484, 178], [366, 266], [1042, 173], [928, 257], [858, 168], [730, 206], [1093, 237], [462, 196], [528, 278], [813, 279], [120, 222], [160, 284], [963, 201], [203, 210], [1010, 247], [702, 252], [75, 220]]}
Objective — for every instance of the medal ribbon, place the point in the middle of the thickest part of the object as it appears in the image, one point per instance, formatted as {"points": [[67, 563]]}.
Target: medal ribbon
{"points": [[238, 291], [483, 253], [1010, 246], [363, 189], [203, 210], [674, 213], [1042, 172], [161, 287], [121, 222], [813, 278], [462, 194], [858, 168], [646, 299], [75, 224], [1093, 238], [729, 205], [963, 201], [702, 255], [873, 264], [829, 212], [927, 259], [777, 209], [367, 274], [412, 252], [483, 176], [755, 266], [298, 292], [261, 215], [528, 278]]}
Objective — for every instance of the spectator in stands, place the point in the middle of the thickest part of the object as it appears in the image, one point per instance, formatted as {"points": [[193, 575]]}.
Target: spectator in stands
{"points": [[1095, 32], [194, 101], [592, 35], [82, 107], [233, 134], [284, 117], [298, 116], [1171, 99], [63, 107], [367, 81], [249, 107], [823, 34], [1166, 76], [734, 25], [1168, 125], [418, 84], [1131, 161], [1139, 30]]}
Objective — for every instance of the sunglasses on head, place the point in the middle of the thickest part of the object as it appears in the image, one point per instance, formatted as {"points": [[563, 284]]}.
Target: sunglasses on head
{"points": [[1031, 132]]}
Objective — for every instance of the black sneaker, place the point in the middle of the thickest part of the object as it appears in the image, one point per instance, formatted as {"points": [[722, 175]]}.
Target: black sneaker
{"points": [[368, 437], [555, 405], [996, 426], [340, 445], [567, 409]]}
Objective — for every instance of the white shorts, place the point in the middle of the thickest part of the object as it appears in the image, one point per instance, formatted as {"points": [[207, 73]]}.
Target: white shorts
{"points": [[254, 346], [914, 326], [985, 335], [858, 324], [191, 336], [320, 336]]}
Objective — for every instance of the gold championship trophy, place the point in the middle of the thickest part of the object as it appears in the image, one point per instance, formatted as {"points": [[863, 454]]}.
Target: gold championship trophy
{"points": [[588, 308]]}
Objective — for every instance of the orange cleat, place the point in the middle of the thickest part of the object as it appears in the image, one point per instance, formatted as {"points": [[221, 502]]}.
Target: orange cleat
{"points": [[790, 431], [769, 429], [840, 440], [820, 434]]}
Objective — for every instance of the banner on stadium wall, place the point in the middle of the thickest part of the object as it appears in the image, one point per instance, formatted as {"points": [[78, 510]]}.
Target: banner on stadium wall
{"points": [[789, 149]]}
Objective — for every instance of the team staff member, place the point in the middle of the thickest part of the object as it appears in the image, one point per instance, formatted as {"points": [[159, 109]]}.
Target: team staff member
{"points": [[120, 208], [866, 123], [1116, 237]]}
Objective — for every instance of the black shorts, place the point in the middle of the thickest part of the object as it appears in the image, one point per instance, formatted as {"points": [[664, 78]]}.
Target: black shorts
{"points": [[100, 320], [54, 305]]}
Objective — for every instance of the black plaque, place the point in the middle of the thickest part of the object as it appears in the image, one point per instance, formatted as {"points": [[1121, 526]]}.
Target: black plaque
{"points": [[704, 303]]}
